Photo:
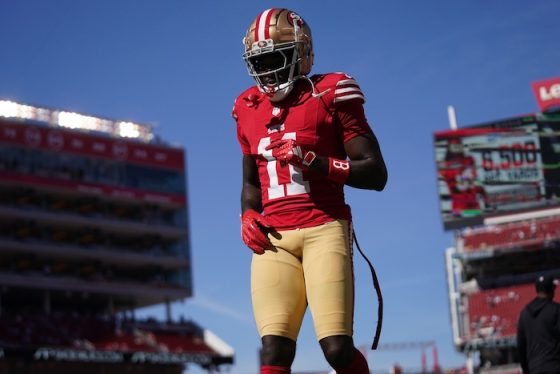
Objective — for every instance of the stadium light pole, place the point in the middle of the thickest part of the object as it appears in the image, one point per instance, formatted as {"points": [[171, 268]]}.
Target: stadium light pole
{"points": [[453, 294], [452, 117]]}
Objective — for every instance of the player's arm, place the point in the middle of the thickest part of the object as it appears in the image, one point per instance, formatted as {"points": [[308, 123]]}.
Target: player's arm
{"points": [[365, 168], [254, 225], [251, 190]]}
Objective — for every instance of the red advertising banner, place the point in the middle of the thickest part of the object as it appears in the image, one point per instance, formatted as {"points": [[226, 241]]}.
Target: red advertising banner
{"points": [[59, 140], [93, 189], [547, 93]]}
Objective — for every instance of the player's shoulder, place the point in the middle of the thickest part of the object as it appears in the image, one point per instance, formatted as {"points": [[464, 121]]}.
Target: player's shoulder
{"points": [[250, 98], [251, 94], [338, 87], [249, 91]]}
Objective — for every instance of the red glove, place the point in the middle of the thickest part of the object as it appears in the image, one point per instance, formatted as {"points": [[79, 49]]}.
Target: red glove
{"points": [[287, 151], [253, 231]]}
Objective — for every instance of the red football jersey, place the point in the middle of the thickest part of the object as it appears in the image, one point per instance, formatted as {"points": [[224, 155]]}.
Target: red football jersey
{"points": [[292, 197]]}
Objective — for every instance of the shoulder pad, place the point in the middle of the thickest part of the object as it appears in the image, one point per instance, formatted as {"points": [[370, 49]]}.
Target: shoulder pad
{"points": [[249, 98], [341, 87], [233, 112]]}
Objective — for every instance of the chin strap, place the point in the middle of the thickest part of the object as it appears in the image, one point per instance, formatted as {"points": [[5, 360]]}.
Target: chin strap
{"points": [[379, 295]]}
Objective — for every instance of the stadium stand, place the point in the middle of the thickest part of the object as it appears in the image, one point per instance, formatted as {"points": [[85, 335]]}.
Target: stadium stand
{"points": [[93, 225], [499, 264], [536, 233], [494, 313]]}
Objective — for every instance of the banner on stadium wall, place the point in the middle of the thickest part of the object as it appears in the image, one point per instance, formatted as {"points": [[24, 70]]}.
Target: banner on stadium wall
{"points": [[497, 168], [547, 93], [55, 139], [94, 189], [108, 357]]}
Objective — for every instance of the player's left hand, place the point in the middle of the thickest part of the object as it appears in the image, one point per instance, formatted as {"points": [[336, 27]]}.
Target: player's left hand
{"points": [[287, 151]]}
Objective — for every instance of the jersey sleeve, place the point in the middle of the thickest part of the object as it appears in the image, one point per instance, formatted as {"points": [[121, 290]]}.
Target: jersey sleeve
{"points": [[345, 100], [352, 120], [347, 90], [243, 142]]}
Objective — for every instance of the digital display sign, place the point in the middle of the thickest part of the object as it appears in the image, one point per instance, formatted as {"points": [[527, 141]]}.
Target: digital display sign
{"points": [[498, 168]]}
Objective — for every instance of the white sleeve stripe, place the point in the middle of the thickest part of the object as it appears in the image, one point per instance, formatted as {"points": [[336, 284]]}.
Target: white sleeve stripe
{"points": [[338, 99], [346, 90], [346, 81], [347, 86]]}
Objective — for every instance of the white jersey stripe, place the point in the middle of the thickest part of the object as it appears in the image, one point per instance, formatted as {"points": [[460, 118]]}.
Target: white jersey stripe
{"points": [[346, 90], [261, 24], [346, 81], [338, 99]]}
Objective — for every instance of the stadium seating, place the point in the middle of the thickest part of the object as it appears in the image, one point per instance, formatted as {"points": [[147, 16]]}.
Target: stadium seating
{"points": [[494, 313], [99, 332], [523, 234]]}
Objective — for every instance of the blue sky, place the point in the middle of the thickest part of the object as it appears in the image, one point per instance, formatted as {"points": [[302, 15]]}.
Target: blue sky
{"points": [[177, 64]]}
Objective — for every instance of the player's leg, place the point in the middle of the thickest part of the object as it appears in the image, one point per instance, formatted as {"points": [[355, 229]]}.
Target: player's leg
{"points": [[343, 356], [328, 269], [279, 301], [277, 354]]}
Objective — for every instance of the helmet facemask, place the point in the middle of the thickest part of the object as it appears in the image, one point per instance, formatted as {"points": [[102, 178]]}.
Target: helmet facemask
{"points": [[274, 70]]}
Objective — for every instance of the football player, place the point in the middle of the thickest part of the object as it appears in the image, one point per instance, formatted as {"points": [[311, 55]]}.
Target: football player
{"points": [[303, 138]]}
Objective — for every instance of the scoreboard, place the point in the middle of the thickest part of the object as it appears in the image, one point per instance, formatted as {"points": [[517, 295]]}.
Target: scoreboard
{"points": [[498, 168]]}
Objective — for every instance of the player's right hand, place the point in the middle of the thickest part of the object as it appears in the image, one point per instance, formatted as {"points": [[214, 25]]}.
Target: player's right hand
{"points": [[253, 231]]}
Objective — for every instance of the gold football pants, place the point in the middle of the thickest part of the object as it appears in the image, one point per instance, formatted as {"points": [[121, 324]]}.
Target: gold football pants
{"points": [[310, 266]]}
